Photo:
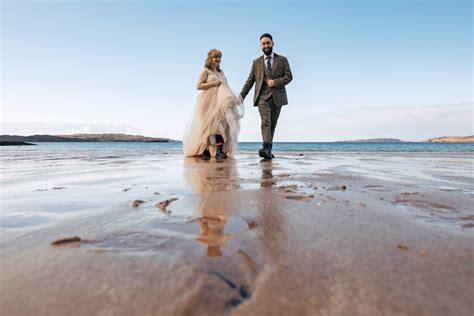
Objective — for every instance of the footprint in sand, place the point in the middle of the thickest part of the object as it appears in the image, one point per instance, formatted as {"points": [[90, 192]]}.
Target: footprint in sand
{"points": [[244, 291]]}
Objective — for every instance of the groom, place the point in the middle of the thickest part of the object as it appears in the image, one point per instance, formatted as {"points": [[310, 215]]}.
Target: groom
{"points": [[270, 73]]}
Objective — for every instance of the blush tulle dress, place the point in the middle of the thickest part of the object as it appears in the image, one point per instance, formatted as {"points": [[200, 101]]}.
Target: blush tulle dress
{"points": [[218, 111]]}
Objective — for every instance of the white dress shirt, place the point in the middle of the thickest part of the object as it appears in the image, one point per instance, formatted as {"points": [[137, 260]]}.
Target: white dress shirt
{"points": [[265, 58]]}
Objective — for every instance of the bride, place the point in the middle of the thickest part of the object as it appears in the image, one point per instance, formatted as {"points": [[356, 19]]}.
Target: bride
{"points": [[215, 125]]}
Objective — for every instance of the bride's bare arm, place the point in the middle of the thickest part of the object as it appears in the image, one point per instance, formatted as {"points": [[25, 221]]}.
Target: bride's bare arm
{"points": [[203, 85]]}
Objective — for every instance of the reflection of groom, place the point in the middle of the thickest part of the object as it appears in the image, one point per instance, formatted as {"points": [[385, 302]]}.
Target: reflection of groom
{"points": [[270, 73]]}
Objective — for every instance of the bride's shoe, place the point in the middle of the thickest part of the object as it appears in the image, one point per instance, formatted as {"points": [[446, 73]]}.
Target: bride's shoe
{"points": [[206, 155], [220, 154]]}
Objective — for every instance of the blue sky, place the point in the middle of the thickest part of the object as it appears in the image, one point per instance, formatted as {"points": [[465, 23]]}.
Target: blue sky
{"points": [[385, 68]]}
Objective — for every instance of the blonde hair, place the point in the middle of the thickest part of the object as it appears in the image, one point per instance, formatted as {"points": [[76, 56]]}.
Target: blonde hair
{"points": [[211, 54]]}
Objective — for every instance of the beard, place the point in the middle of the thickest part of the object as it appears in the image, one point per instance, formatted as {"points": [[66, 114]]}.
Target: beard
{"points": [[267, 51]]}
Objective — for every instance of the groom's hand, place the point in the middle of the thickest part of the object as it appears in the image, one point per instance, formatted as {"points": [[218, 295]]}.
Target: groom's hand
{"points": [[270, 83]]}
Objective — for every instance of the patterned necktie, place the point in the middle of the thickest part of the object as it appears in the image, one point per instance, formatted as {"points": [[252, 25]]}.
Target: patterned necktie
{"points": [[269, 64]]}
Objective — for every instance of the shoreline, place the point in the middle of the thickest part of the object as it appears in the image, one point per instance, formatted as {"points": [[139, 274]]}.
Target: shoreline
{"points": [[316, 234]]}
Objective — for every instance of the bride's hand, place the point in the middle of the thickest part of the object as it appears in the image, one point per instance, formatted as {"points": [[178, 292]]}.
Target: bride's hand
{"points": [[217, 83]]}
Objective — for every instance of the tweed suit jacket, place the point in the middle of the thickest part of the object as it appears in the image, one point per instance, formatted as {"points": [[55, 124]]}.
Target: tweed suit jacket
{"points": [[281, 75]]}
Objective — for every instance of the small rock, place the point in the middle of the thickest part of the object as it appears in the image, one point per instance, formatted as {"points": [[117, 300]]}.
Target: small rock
{"points": [[65, 241], [287, 189], [164, 204], [402, 247], [137, 203], [252, 224], [299, 197]]}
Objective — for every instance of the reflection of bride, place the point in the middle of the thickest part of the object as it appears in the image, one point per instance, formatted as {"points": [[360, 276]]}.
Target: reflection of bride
{"points": [[208, 180], [215, 125]]}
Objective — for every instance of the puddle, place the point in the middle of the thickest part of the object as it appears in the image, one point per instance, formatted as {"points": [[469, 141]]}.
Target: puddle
{"points": [[434, 212]]}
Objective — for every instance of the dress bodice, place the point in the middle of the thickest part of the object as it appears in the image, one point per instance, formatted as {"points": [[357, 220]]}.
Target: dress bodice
{"points": [[214, 76]]}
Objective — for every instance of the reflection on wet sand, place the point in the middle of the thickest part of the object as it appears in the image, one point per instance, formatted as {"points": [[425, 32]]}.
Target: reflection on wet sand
{"points": [[269, 213], [267, 179], [212, 234], [206, 178], [355, 248]]}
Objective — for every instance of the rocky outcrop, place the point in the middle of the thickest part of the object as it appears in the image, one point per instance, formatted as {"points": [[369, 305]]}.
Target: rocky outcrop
{"points": [[8, 143], [83, 138], [452, 139]]}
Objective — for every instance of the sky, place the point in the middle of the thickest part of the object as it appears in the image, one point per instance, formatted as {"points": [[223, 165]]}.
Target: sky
{"points": [[361, 69]]}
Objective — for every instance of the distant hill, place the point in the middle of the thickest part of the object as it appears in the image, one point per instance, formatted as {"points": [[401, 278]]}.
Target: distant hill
{"points": [[373, 140], [8, 143], [452, 139], [84, 138]]}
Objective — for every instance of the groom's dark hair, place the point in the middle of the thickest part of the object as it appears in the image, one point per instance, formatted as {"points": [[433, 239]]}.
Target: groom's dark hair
{"points": [[266, 35]]}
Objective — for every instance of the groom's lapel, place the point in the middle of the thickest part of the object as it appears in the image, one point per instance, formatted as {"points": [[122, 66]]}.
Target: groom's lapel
{"points": [[275, 63], [260, 67]]}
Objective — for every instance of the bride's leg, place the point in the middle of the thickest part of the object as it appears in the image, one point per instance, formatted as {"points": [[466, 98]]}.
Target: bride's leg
{"points": [[220, 147], [219, 140], [212, 145]]}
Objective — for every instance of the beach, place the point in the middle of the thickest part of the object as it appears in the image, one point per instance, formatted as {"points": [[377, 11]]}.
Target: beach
{"points": [[309, 233]]}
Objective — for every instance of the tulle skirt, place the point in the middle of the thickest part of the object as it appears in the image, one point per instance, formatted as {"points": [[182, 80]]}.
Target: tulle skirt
{"points": [[217, 111]]}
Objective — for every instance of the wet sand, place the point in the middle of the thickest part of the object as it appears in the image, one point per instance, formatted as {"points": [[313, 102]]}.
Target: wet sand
{"points": [[304, 234]]}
